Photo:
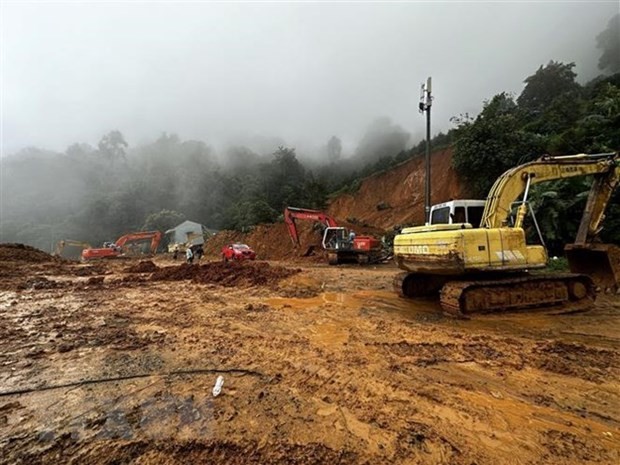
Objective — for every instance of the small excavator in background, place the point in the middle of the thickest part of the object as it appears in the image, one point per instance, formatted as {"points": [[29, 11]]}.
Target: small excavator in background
{"points": [[487, 268], [65, 246], [337, 242], [126, 245]]}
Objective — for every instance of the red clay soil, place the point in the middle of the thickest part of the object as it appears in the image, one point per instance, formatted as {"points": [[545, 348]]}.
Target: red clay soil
{"points": [[24, 253], [396, 197], [233, 274], [145, 266], [19, 262]]}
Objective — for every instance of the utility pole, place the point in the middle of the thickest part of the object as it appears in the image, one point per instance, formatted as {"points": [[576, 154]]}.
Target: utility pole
{"points": [[426, 101]]}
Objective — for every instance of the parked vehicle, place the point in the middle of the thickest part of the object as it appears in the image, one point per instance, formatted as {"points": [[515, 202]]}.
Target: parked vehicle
{"points": [[237, 252]]}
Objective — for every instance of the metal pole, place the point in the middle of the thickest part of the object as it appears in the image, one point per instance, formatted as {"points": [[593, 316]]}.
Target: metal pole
{"points": [[427, 196], [425, 106]]}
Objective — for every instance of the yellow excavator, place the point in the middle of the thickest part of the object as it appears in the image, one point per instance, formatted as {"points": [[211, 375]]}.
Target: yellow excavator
{"points": [[75, 248], [489, 268]]}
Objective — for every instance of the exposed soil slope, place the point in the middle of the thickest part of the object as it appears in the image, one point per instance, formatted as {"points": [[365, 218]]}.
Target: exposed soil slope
{"points": [[396, 197]]}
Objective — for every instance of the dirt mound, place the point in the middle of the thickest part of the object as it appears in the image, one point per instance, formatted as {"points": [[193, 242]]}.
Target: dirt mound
{"points": [[269, 241], [24, 253], [145, 266], [242, 274]]}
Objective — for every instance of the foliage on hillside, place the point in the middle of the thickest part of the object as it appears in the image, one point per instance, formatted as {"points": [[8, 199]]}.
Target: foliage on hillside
{"points": [[553, 115]]}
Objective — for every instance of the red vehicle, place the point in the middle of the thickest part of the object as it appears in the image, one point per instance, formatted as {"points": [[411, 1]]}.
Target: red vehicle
{"points": [[237, 252]]}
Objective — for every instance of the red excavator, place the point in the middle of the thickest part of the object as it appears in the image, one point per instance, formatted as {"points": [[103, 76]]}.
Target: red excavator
{"points": [[124, 245], [341, 246]]}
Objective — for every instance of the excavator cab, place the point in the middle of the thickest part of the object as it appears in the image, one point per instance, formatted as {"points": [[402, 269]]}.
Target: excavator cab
{"points": [[336, 239]]}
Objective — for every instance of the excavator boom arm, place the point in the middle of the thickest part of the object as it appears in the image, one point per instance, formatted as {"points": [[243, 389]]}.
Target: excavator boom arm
{"points": [[155, 237], [71, 243], [293, 213], [510, 185]]}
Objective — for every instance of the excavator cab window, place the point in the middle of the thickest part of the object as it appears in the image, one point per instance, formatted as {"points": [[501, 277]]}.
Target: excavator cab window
{"points": [[441, 216], [459, 215], [474, 216]]}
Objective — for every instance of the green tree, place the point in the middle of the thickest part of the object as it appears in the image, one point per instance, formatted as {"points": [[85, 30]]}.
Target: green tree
{"points": [[597, 127], [558, 206], [491, 143], [113, 145], [249, 213], [548, 83], [283, 179], [334, 149], [162, 220], [79, 150], [609, 43]]}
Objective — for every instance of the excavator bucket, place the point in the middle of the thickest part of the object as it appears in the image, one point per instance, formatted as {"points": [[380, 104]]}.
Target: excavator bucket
{"points": [[599, 261]]}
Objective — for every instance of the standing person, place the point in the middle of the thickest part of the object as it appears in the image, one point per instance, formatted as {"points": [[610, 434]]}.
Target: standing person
{"points": [[351, 236], [189, 255], [199, 252]]}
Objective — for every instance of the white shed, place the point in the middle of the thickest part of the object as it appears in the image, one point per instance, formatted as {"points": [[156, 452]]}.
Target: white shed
{"points": [[189, 231]]}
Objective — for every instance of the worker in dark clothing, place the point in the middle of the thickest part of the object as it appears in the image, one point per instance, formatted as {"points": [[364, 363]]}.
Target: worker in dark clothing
{"points": [[199, 252]]}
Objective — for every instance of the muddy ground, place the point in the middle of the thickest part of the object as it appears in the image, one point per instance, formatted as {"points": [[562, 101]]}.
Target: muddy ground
{"points": [[114, 363]]}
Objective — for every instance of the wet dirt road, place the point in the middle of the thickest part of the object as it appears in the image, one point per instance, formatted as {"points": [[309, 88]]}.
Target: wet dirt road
{"points": [[326, 365]]}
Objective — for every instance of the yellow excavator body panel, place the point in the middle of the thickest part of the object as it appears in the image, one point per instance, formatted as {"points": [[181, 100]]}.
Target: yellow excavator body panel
{"points": [[460, 249]]}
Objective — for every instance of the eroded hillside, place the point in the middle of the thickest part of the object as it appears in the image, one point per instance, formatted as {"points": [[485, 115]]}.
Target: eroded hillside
{"points": [[396, 197]]}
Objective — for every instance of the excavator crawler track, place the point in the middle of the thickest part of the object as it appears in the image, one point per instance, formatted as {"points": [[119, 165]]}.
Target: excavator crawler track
{"points": [[412, 285], [571, 292]]}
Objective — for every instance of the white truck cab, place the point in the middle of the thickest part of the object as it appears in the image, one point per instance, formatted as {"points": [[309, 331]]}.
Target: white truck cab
{"points": [[458, 211]]}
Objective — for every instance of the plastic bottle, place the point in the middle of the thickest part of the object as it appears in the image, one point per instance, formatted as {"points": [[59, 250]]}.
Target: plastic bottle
{"points": [[219, 382]]}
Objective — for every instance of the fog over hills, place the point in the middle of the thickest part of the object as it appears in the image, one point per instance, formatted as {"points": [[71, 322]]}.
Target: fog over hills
{"points": [[255, 73]]}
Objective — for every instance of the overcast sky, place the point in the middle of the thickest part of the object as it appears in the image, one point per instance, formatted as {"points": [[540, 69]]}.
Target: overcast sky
{"points": [[223, 72]]}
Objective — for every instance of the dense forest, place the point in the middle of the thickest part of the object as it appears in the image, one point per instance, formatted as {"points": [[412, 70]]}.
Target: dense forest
{"points": [[99, 193]]}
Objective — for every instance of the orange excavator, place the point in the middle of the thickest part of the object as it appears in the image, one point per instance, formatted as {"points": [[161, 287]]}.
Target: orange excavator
{"points": [[124, 245], [341, 246]]}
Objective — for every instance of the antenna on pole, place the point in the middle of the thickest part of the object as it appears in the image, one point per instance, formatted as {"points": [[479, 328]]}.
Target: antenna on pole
{"points": [[426, 101]]}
